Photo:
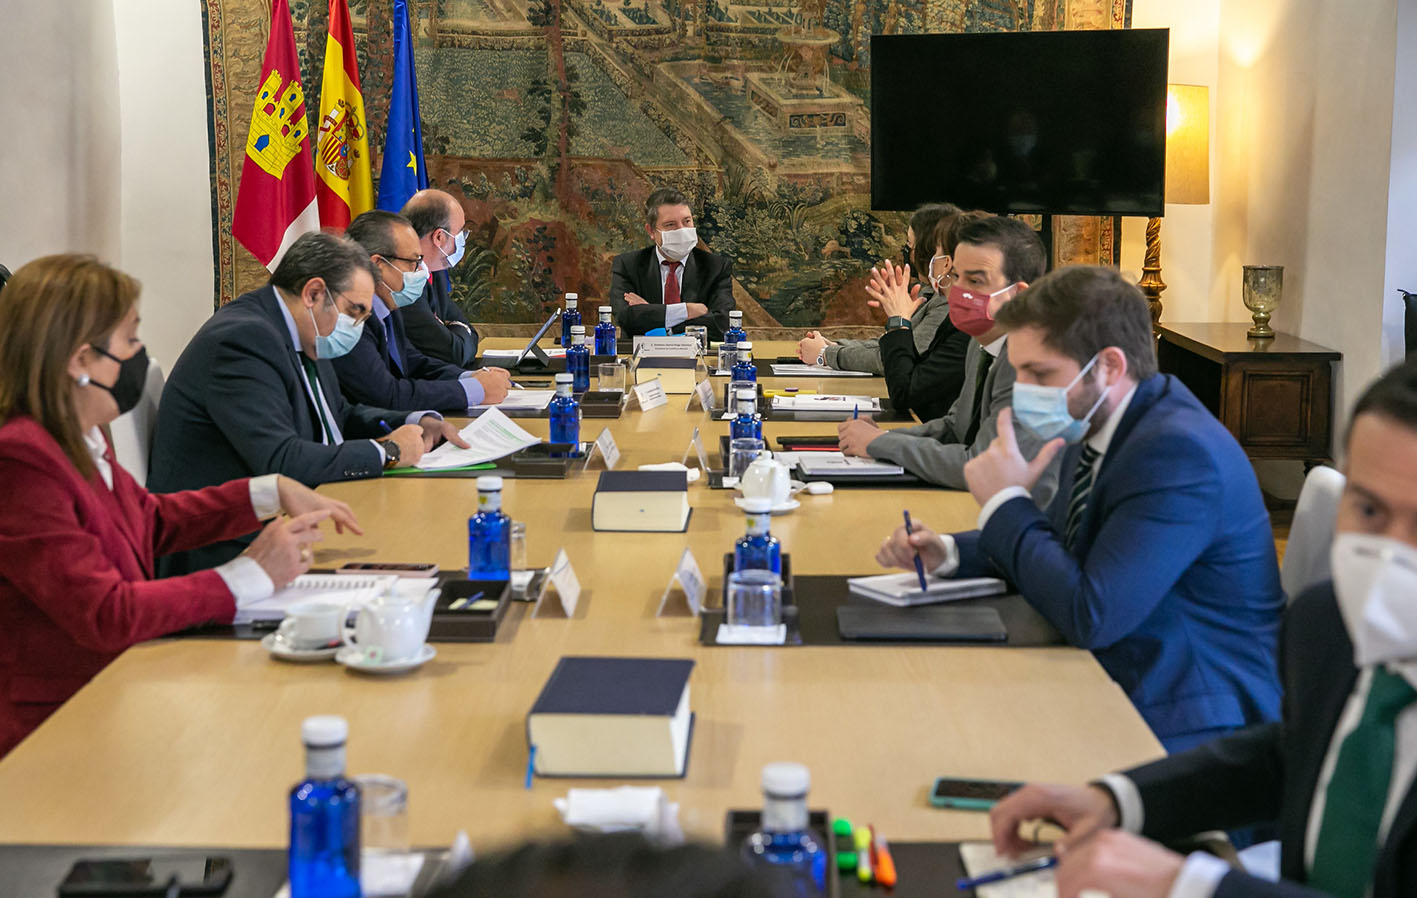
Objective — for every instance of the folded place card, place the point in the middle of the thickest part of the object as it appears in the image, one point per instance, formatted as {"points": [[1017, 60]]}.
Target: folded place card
{"points": [[605, 446], [568, 587], [689, 580], [650, 394]]}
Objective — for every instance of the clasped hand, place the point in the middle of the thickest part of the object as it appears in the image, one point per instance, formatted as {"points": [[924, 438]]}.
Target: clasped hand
{"points": [[890, 290]]}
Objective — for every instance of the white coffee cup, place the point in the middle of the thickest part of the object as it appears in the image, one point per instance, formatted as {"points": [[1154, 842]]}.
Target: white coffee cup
{"points": [[766, 478], [390, 629], [311, 625]]}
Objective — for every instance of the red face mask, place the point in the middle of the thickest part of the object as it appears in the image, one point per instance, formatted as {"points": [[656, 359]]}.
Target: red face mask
{"points": [[969, 309]]}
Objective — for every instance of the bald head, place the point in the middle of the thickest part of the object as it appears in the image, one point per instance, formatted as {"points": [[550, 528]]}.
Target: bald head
{"points": [[437, 217]]}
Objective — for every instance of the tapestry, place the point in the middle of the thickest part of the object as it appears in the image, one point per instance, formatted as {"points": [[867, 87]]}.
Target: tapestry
{"points": [[552, 120]]}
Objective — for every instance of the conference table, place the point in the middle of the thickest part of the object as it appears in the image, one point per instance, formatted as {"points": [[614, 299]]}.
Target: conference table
{"points": [[196, 742]]}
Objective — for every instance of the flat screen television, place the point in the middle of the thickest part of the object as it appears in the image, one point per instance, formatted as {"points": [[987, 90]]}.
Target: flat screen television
{"points": [[1060, 122]]}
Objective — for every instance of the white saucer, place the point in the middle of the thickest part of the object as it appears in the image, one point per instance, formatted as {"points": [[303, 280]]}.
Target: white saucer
{"points": [[353, 658], [784, 508], [280, 649]]}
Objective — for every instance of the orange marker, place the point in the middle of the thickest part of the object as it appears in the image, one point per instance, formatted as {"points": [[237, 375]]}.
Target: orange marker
{"points": [[881, 860]]}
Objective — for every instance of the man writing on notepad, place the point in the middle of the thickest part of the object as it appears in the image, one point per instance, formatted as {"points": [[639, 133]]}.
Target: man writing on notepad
{"points": [[995, 259], [1156, 552], [1338, 772]]}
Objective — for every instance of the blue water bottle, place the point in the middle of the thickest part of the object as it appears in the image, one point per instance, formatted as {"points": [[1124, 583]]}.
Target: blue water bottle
{"points": [[747, 423], [735, 332], [605, 333], [489, 533], [785, 843], [758, 549], [324, 816], [565, 414], [743, 367], [578, 360], [570, 317]]}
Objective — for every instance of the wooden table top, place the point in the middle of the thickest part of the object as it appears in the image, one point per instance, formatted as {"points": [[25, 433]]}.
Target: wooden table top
{"points": [[1218, 340], [195, 742]]}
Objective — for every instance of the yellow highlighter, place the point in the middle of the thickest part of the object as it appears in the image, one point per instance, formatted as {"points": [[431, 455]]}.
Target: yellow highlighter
{"points": [[862, 838]]}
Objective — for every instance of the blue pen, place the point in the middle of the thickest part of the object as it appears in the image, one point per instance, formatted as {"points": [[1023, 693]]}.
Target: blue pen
{"points": [[530, 766], [385, 424], [919, 568], [1043, 863], [855, 410]]}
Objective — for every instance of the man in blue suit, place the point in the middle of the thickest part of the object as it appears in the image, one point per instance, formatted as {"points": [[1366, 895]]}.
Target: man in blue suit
{"points": [[1156, 552], [384, 368]]}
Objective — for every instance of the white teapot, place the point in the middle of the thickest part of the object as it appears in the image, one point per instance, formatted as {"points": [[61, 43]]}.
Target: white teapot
{"points": [[767, 478], [392, 627]]}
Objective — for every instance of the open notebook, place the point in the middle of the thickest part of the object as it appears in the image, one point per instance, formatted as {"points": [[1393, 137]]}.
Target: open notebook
{"points": [[979, 858], [343, 589]]}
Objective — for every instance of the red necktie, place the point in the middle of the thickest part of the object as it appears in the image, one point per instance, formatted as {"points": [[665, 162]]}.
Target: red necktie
{"points": [[671, 284]]}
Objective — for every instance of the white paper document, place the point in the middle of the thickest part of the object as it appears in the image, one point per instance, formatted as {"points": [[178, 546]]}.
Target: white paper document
{"points": [[979, 858], [789, 369], [555, 353], [523, 400], [826, 402], [835, 464], [341, 589], [490, 436], [903, 590]]}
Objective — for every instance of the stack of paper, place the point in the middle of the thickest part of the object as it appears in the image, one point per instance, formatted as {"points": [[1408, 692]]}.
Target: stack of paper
{"points": [[835, 464], [489, 437], [903, 590], [783, 369], [341, 589], [826, 402], [523, 400]]}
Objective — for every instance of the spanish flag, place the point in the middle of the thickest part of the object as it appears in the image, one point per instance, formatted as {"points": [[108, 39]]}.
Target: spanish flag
{"points": [[345, 187], [276, 200]]}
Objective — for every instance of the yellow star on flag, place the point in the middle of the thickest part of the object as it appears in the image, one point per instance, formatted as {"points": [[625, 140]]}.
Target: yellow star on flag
{"points": [[412, 163]]}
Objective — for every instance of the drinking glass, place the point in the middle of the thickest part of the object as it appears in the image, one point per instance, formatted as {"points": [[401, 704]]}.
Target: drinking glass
{"points": [[611, 377], [742, 452], [383, 802], [754, 599], [730, 399], [700, 332]]}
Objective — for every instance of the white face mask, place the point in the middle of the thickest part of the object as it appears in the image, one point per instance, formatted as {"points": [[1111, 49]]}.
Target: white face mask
{"points": [[1375, 579], [677, 244]]}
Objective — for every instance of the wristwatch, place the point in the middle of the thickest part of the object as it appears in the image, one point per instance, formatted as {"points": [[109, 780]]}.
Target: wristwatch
{"points": [[897, 321], [821, 357], [391, 452]]}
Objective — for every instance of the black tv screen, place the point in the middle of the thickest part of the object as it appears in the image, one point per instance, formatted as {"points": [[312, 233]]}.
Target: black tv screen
{"points": [[1061, 122]]}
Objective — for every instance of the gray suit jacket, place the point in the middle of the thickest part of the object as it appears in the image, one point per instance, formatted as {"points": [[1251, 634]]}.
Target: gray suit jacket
{"points": [[865, 355], [935, 451]]}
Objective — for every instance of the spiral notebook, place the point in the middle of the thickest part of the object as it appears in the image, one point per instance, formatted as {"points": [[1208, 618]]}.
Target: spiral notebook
{"points": [[342, 589]]}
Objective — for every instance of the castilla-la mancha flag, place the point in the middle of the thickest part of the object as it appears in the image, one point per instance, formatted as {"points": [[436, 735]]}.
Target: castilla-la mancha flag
{"points": [[346, 186], [276, 201]]}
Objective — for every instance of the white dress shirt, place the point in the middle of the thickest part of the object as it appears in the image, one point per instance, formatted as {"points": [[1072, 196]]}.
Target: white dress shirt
{"points": [[676, 314], [1099, 442], [1201, 874], [243, 575]]}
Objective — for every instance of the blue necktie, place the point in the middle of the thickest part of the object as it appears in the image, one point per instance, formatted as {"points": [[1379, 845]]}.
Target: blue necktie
{"points": [[393, 344]]}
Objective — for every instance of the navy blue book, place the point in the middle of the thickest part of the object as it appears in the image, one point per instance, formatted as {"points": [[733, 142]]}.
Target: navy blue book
{"points": [[655, 501], [620, 717]]}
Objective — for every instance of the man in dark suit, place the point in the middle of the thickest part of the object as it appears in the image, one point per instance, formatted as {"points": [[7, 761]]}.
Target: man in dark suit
{"points": [[434, 323], [255, 393], [675, 282], [1337, 773], [385, 369], [1156, 551]]}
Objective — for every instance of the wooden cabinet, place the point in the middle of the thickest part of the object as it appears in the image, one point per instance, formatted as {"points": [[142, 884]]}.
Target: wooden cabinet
{"points": [[1275, 396]]}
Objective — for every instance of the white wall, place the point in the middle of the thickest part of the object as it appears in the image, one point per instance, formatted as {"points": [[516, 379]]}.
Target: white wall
{"points": [[166, 186], [107, 149], [1401, 269]]}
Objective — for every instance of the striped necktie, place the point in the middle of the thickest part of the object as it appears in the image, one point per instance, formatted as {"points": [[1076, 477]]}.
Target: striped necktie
{"points": [[1346, 850], [1082, 489]]}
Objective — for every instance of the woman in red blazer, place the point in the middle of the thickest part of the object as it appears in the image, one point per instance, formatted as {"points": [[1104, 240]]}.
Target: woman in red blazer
{"points": [[78, 536]]}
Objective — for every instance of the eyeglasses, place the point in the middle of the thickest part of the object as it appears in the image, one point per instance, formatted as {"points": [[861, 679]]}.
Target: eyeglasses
{"points": [[360, 314], [415, 261]]}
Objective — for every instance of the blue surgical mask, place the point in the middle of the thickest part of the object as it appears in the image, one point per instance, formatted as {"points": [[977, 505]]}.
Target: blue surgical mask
{"points": [[339, 341], [459, 247], [413, 283], [1044, 410]]}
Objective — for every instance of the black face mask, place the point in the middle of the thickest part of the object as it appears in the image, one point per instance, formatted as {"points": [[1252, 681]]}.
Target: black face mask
{"points": [[127, 390]]}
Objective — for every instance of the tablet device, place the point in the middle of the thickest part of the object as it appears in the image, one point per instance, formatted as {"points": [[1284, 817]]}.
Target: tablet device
{"points": [[530, 350], [932, 624]]}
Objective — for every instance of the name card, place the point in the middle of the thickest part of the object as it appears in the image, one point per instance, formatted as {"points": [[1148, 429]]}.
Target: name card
{"points": [[673, 347], [690, 581], [704, 393], [605, 445], [696, 445], [650, 394], [568, 587]]}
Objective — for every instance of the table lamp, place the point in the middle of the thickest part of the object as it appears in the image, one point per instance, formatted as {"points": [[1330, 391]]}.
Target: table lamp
{"points": [[1187, 174]]}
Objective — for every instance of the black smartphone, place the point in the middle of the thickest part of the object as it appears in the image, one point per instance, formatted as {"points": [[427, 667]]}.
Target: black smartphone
{"points": [[385, 567], [147, 876], [968, 794]]}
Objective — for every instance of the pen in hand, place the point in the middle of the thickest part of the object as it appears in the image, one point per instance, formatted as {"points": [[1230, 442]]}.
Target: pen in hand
{"points": [[385, 424], [919, 568], [1034, 866]]}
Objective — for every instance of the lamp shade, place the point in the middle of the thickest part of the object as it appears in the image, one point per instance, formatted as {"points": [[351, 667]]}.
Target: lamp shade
{"points": [[1188, 144]]}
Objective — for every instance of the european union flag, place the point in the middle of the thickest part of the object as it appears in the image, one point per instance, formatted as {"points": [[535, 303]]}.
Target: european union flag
{"points": [[403, 173]]}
